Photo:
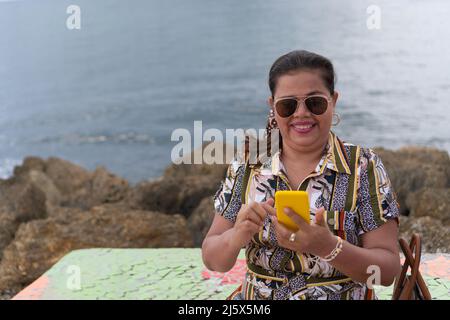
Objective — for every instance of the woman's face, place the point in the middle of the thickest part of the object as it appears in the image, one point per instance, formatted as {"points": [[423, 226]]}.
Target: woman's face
{"points": [[299, 84]]}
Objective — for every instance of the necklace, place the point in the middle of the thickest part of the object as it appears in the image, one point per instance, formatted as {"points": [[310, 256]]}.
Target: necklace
{"points": [[292, 172]]}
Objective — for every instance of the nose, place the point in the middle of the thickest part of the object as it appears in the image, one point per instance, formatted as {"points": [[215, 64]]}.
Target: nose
{"points": [[301, 110]]}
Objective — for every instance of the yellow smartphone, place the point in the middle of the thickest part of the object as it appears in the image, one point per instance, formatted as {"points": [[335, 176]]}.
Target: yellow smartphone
{"points": [[297, 201]]}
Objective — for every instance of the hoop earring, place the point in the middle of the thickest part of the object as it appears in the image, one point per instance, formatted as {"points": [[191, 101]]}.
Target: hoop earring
{"points": [[336, 119]]}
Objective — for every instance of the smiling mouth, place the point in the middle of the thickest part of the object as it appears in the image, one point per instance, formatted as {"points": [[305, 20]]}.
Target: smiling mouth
{"points": [[303, 128]]}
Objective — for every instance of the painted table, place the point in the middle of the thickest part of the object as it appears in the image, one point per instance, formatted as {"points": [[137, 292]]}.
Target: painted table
{"points": [[171, 273]]}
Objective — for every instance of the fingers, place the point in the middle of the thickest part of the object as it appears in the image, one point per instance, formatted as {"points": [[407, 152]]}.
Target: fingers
{"points": [[268, 207], [254, 217], [282, 231], [283, 234], [257, 212], [250, 226], [260, 213], [270, 202], [321, 217], [295, 217]]}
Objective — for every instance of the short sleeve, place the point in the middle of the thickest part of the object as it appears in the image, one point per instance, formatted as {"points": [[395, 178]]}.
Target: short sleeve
{"points": [[227, 200], [377, 202]]}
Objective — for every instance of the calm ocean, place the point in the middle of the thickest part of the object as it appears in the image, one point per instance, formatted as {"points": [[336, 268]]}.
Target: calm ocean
{"points": [[112, 92]]}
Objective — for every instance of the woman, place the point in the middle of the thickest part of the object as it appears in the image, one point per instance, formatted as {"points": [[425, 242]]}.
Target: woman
{"points": [[351, 242]]}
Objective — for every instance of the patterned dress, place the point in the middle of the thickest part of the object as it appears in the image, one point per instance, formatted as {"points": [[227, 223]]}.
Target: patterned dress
{"points": [[350, 182]]}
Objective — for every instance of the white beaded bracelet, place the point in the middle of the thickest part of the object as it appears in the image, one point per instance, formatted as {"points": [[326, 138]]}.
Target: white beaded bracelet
{"points": [[333, 254]]}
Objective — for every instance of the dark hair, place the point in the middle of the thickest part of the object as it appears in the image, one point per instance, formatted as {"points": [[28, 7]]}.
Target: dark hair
{"points": [[300, 60]]}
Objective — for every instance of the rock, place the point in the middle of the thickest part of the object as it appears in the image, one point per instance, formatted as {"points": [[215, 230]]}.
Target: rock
{"points": [[107, 187], [415, 168], [41, 243], [69, 178], [8, 227], [215, 171], [28, 164], [9, 293], [435, 236], [66, 212], [200, 220], [67, 184], [430, 202], [45, 184], [40, 186], [101, 187], [82, 188], [172, 195], [182, 186], [20, 201], [160, 195]]}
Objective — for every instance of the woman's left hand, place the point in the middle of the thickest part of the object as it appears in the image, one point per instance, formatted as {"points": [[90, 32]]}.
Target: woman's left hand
{"points": [[315, 238]]}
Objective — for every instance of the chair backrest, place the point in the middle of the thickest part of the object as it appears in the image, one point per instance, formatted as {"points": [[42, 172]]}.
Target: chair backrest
{"points": [[412, 286]]}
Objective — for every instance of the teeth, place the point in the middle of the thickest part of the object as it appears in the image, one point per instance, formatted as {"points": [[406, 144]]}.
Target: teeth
{"points": [[303, 127]]}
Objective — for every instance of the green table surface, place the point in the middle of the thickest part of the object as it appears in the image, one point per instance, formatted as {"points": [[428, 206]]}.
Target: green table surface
{"points": [[170, 273]]}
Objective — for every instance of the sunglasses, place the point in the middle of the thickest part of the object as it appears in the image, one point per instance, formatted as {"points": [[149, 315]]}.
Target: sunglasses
{"points": [[317, 104]]}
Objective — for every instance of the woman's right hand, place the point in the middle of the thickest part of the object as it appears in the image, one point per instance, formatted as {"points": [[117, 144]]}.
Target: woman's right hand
{"points": [[249, 220]]}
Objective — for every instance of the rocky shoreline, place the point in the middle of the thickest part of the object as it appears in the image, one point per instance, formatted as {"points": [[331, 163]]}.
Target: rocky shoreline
{"points": [[50, 207]]}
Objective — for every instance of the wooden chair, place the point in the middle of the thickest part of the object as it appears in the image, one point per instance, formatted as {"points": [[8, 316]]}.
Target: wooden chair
{"points": [[412, 286]]}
